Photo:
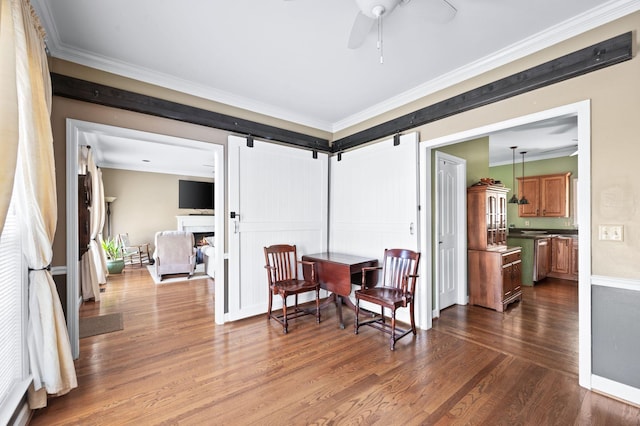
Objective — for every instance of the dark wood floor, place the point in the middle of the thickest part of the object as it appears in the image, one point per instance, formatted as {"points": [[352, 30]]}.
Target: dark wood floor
{"points": [[172, 365]]}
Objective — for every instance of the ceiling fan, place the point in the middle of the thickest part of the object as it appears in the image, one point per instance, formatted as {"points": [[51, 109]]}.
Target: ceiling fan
{"points": [[374, 11]]}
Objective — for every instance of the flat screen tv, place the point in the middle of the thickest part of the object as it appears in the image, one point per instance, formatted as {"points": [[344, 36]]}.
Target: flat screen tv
{"points": [[195, 195]]}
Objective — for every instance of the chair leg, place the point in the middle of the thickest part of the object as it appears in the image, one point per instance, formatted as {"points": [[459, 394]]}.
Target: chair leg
{"points": [[393, 329], [413, 321], [318, 305], [357, 325], [285, 325]]}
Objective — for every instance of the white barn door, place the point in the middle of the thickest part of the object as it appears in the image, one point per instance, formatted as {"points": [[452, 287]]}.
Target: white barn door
{"points": [[374, 201], [277, 195]]}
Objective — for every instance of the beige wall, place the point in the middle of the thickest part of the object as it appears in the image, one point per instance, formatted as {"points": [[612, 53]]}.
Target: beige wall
{"points": [[615, 100], [145, 203]]}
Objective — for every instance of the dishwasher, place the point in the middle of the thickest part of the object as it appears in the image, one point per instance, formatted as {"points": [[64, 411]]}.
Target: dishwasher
{"points": [[541, 258]]}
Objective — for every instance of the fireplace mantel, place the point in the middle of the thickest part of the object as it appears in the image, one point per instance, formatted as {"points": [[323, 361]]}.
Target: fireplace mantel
{"points": [[196, 223]]}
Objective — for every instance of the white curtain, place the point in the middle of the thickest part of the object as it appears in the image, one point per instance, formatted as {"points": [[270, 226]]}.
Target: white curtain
{"points": [[8, 108], [49, 349], [93, 265], [102, 261]]}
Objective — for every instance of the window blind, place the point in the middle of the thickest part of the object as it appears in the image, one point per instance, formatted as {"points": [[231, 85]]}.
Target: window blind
{"points": [[13, 319]]}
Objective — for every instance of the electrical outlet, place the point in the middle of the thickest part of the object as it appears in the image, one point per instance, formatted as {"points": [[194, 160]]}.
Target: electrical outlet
{"points": [[526, 223], [611, 232]]}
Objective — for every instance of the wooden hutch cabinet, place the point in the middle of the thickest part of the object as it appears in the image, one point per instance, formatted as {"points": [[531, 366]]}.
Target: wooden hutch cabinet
{"points": [[495, 274], [486, 216], [548, 195]]}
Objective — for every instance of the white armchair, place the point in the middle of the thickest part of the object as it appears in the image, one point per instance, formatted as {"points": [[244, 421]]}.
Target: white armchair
{"points": [[208, 257], [175, 253]]}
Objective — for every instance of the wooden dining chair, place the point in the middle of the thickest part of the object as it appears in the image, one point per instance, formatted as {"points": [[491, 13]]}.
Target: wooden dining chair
{"points": [[396, 290], [282, 273]]}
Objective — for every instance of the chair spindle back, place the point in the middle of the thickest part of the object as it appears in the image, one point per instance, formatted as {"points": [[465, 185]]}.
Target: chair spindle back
{"points": [[398, 266]]}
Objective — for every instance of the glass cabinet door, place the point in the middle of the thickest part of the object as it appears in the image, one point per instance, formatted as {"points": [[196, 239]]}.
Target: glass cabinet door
{"points": [[492, 213]]}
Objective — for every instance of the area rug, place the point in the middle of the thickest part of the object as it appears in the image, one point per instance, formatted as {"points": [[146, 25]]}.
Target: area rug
{"points": [[178, 278], [101, 324]]}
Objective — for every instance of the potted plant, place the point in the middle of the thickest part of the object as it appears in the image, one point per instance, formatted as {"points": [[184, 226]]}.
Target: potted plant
{"points": [[115, 262]]}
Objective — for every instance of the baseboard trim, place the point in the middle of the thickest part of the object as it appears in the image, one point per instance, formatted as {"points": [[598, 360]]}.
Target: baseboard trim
{"points": [[615, 390]]}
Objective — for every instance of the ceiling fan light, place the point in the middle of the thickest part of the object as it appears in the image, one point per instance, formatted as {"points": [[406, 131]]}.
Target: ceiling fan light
{"points": [[378, 11], [369, 7]]}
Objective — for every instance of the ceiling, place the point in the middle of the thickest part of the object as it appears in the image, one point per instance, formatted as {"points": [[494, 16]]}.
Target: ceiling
{"points": [[128, 149], [290, 60]]}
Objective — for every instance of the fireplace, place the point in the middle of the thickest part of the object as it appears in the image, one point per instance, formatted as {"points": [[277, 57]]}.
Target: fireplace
{"points": [[198, 236], [200, 225]]}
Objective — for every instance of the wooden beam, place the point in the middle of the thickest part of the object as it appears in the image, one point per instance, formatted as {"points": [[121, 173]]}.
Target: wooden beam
{"points": [[592, 58], [86, 91]]}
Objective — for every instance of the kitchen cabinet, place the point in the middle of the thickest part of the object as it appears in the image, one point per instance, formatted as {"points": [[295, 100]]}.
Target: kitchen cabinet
{"points": [[486, 217], [574, 258], [548, 195], [564, 258], [495, 277]]}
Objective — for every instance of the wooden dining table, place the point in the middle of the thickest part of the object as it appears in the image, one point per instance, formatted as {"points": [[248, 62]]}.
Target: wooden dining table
{"points": [[336, 273]]}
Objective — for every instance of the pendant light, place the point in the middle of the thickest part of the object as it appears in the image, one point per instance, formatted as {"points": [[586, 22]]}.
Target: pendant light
{"points": [[514, 197], [523, 200]]}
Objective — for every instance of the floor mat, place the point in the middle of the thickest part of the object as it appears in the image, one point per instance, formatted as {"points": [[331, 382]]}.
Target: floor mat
{"points": [[91, 326]]}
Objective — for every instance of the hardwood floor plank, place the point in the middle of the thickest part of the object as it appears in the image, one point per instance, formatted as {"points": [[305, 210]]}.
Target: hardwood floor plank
{"points": [[171, 364]]}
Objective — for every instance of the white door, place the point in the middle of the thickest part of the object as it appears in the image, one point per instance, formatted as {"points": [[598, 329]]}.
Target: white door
{"points": [[450, 226], [277, 195], [374, 201]]}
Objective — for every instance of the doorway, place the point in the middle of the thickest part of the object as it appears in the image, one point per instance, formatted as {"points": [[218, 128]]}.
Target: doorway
{"points": [[74, 129], [581, 110]]}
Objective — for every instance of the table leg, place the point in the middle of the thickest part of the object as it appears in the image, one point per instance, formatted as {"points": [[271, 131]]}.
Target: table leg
{"points": [[337, 300]]}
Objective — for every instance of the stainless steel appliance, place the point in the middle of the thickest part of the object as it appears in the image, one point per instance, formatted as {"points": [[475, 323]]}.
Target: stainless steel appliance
{"points": [[541, 258]]}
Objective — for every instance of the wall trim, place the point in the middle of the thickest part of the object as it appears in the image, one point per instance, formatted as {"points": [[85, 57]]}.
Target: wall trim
{"points": [[600, 55], [615, 389], [613, 282], [87, 91]]}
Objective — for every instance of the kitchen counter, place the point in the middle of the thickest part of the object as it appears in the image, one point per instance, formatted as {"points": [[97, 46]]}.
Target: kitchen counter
{"points": [[541, 233]]}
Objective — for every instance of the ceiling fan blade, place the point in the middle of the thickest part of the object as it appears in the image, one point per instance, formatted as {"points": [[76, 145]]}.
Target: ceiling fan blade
{"points": [[361, 27], [442, 10]]}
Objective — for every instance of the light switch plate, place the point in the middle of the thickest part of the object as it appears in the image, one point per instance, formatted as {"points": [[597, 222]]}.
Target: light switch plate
{"points": [[611, 232]]}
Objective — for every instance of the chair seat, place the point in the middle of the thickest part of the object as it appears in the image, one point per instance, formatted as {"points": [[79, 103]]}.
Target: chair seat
{"points": [[294, 286], [389, 297]]}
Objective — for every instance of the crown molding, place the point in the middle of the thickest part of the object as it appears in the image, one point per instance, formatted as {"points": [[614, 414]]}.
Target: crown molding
{"points": [[589, 20], [558, 33]]}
